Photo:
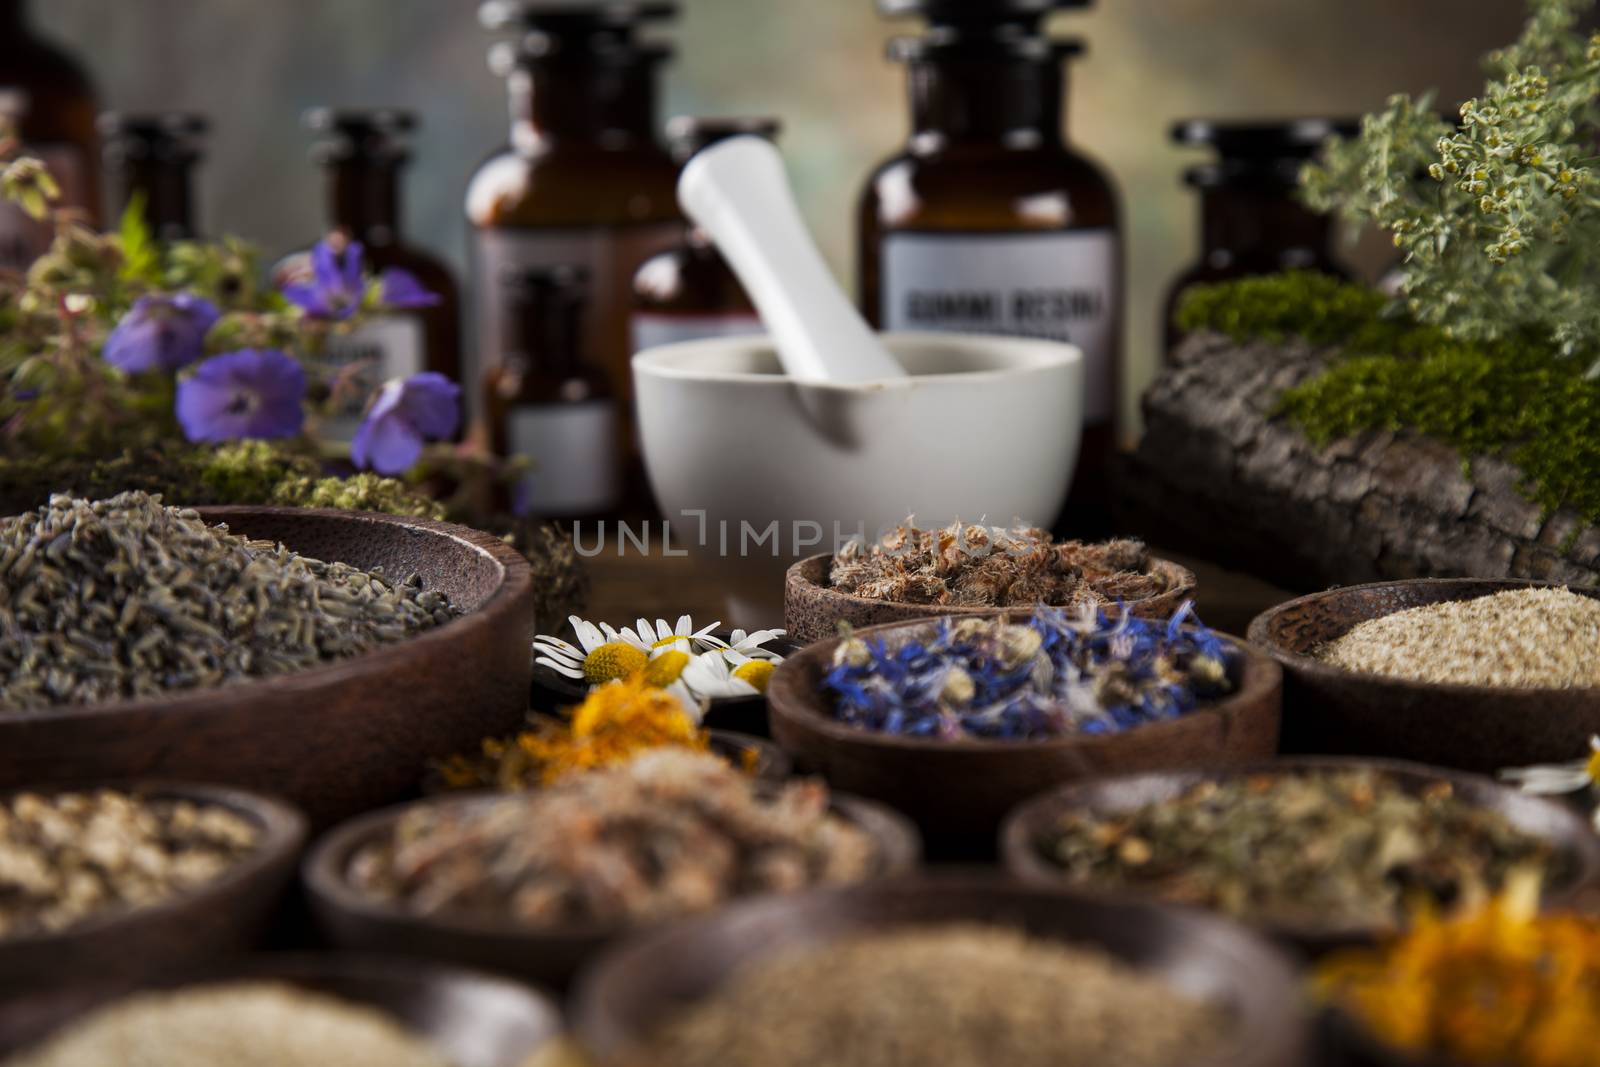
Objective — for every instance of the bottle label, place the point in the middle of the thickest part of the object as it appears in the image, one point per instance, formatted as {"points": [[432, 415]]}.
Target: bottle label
{"points": [[573, 450], [610, 254], [24, 239], [389, 346], [1058, 286], [652, 328]]}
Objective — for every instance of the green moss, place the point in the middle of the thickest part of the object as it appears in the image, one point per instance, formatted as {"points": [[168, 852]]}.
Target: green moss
{"points": [[1517, 399]]}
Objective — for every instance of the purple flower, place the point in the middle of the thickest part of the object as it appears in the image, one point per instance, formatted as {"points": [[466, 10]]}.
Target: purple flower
{"points": [[407, 412], [254, 392], [161, 332], [335, 289], [401, 289]]}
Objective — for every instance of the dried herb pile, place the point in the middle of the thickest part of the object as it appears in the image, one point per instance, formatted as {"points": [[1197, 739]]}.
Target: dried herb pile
{"points": [[670, 833], [1522, 637], [1501, 985], [983, 566], [1055, 675], [245, 1024], [1325, 849], [125, 598], [72, 857], [962, 995]]}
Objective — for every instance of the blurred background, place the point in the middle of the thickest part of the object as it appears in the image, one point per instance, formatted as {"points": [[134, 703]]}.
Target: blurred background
{"points": [[818, 64]]}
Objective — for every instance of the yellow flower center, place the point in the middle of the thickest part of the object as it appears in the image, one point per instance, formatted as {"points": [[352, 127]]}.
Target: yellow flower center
{"points": [[666, 668], [756, 671], [1593, 766], [611, 661]]}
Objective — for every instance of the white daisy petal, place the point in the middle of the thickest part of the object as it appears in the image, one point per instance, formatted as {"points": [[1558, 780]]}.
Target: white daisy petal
{"points": [[565, 669], [589, 635], [1549, 778]]}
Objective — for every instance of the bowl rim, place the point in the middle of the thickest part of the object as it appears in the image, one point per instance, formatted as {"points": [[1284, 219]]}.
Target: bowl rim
{"points": [[1182, 578], [1259, 677], [1019, 828], [1048, 357], [296, 968], [1304, 664], [515, 580], [283, 829], [1277, 1034], [323, 871]]}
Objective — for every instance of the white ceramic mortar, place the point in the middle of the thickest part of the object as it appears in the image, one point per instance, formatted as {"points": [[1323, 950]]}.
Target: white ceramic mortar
{"points": [[984, 429]]}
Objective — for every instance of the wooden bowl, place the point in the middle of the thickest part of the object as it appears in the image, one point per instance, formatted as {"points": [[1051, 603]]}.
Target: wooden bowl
{"points": [[1028, 825], [474, 1020], [548, 955], [961, 789], [638, 986], [1469, 727], [812, 609], [335, 739], [224, 916], [552, 691]]}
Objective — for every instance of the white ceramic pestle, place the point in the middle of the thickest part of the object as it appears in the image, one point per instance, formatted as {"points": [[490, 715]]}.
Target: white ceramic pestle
{"points": [[736, 191]]}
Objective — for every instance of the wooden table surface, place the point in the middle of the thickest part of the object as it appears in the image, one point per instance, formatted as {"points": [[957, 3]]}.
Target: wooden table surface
{"points": [[633, 583]]}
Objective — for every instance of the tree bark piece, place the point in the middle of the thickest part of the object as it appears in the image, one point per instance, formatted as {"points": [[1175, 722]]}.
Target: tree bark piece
{"points": [[1218, 474]]}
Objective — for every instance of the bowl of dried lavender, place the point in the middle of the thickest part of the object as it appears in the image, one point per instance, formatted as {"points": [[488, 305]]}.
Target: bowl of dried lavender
{"points": [[322, 655], [954, 722], [1320, 852], [972, 570], [126, 879], [284, 1010], [963, 971], [535, 883], [1459, 672]]}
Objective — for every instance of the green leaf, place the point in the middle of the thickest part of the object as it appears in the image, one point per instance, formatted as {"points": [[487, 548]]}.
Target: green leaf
{"points": [[141, 256]]}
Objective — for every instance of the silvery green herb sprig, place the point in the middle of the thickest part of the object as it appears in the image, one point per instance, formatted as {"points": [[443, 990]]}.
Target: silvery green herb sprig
{"points": [[1054, 675]]}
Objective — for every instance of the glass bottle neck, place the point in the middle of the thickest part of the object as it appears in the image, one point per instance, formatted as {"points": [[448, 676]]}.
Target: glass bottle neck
{"points": [[1238, 223], [364, 200], [605, 103], [166, 188], [1010, 102]]}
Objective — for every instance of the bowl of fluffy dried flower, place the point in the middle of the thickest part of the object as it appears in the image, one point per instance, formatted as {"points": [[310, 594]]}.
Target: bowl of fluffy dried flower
{"points": [[967, 569], [1474, 674], [534, 883], [955, 721], [123, 879]]}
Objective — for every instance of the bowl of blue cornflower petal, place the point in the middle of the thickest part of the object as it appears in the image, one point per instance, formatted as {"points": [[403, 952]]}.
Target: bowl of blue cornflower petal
{"points": [[957, 720]]}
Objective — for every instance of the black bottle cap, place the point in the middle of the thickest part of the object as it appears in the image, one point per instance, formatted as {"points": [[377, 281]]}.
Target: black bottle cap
{"points": [[1263, 139], [688, 134], [1011, 43], [377, 135], [551, 278], [167, 136], [599, 28], [946, 12]]}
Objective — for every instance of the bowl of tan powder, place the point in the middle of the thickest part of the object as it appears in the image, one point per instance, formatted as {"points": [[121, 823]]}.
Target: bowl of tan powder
{"points": [[285, 1010], [1458, 672], [959, 971]]}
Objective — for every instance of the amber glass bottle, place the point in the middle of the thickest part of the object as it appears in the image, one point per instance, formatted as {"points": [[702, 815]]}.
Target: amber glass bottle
{"points": [[363, 153], [987, 222], [547, 403], [47, 97], [153, 157], [1251, 221], [584, 181], [688, 291]]}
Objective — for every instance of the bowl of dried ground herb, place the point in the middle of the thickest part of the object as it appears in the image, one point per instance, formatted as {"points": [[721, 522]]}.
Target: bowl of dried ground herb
{"points": [[322, 655], [1472, 674], [973, 570], [1319, 852], [960, 971], [118, 880]]}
